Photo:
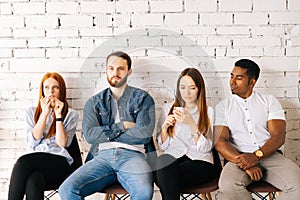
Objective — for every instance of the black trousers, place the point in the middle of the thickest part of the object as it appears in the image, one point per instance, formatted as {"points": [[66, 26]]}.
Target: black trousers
{"points": [[33, 172], [174, 174]]}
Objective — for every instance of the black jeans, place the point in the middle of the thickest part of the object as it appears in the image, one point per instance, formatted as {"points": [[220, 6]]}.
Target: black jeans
{"points": [[32, 172], [174, 174]]}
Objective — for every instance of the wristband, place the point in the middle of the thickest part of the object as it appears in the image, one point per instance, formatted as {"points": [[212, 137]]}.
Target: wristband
{"points": [[59, 119]]}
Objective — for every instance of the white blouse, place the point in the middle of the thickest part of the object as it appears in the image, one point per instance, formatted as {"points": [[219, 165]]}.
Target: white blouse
{"points": [[183, 141]]}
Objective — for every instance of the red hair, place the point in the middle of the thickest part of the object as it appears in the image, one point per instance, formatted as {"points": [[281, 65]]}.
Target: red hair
{"points": [[62, 97]]}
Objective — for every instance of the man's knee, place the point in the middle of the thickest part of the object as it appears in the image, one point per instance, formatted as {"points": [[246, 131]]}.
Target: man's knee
{"points": [[226, 184], [64, 189], [144, 192], [293, 184], [232, 179]]}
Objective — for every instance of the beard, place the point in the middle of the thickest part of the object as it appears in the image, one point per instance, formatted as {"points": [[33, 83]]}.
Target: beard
{"points": [[119, 83]]}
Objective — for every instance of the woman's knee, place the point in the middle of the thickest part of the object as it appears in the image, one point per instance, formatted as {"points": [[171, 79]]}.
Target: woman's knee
{"points": [[35, 186], [35, 180], [23, 161]]}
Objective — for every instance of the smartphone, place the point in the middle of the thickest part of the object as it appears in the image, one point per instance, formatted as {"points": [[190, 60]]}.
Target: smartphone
{"points": [[179, 108]]}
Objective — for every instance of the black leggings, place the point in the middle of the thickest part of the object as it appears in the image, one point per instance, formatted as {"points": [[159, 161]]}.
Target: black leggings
{"points": [[32, 172], [174, 174]]}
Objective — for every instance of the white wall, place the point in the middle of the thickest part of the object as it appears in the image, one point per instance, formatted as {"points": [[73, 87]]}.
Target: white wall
{"points": [[163, 36]]}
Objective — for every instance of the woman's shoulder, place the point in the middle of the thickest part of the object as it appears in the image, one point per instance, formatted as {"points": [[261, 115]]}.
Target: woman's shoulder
{"points": [[30, 110], [210, 109], [73, 112], [167, 106]]}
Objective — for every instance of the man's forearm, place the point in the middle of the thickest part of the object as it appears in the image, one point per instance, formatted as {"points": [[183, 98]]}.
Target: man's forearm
{"points": [[227, 151]]}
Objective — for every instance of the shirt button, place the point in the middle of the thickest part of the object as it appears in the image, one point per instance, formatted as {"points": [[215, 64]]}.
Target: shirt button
{"points": [[246, 108]]}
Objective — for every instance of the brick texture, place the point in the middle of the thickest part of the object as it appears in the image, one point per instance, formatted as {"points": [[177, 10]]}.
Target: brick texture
{"points": [[73, 38]]}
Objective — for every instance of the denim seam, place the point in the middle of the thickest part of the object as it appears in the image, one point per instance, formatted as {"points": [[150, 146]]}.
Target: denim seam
{"points": [[91, 181]]}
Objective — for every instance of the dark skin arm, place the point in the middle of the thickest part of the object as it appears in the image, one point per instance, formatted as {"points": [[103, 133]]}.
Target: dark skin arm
{"points": [[222, 145], [248, 161], [277, 132], [221, 138]]}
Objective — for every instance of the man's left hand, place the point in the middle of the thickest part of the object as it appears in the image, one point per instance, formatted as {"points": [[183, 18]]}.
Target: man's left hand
{"points": [[246, 160]]}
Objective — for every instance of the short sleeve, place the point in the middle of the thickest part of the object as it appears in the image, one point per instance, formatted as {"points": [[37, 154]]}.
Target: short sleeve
{"points": [[220, 114], [211, 116], [70, 124], [275, 109]]}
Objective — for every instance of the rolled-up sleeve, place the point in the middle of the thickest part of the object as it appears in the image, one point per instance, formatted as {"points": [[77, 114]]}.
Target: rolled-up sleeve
{"points": [[165, 145], [70, 124], [31, 141], [220, 118]]}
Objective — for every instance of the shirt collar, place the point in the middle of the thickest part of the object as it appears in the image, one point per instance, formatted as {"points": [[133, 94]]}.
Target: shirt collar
{"points": [[125, 95], [195, 110], [240, 99]]}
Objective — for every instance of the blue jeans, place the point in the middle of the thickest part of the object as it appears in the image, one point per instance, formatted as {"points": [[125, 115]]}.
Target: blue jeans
{"points": [[108, 166]]}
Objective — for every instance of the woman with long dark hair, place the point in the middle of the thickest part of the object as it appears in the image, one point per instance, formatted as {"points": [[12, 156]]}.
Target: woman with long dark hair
{"points": [[185, 138], [50, 128]]}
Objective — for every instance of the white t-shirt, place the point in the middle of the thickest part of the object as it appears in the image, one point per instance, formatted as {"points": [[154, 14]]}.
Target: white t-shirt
{"points": [[112, 145], [247, 119]]}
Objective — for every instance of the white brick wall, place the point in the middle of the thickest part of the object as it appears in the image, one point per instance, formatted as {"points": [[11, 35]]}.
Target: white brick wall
{"points": [[174, 19], [251, 18], [24, 9], [151, 19], [62, 8], [163, 36], [97, 7], [216, 19], [132, 6], [41, 21], [268, 5], [76, 21], [235, 5], [200, 6], [5, 9], [11, 21]]}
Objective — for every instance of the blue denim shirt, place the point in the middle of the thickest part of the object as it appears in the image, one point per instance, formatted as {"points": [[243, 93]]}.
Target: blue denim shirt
{"points": [[99, 112]]}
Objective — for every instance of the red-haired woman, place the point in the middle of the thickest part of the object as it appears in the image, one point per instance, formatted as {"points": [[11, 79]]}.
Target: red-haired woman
{"points": [[50, 128], [185, 138]]}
